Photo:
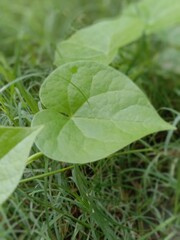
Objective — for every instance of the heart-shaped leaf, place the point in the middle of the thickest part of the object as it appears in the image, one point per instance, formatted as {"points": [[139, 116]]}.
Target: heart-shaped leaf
{"points": [[92, 111], [15, 144]]}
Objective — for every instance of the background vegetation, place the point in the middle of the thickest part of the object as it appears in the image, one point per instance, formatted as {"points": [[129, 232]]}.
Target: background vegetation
{"points": [[133, 194]]}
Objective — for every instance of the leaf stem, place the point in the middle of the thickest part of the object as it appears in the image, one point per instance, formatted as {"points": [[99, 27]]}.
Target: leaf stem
{"points": [[34, 157], [46, 174]]}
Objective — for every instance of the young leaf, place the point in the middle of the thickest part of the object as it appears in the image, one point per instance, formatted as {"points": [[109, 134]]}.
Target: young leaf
{"points": [[156, 15], [15, 144], [100, 41], [92, 111]]}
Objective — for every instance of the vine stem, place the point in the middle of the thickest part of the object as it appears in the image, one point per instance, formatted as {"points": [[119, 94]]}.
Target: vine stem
{"points": [[46, 174], [34, 157]]}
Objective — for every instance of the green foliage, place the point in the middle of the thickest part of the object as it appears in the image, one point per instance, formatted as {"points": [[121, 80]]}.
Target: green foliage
{"points": [[15, 146], [132, 194], [101, 41], [157, 15], [92, 111]]}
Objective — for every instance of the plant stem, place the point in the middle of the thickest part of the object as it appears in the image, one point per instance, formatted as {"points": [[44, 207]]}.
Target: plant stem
{"points": [[46, 174], [34, 157]]}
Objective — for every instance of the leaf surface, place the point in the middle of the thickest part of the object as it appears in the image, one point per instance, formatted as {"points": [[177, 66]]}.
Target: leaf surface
{"points": [[15, 144], [156, 15], [92, 111], [100, 41]]}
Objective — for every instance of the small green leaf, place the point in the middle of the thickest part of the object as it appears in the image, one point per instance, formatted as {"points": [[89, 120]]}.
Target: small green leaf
{"points": [[15, 144], [92, 111]]}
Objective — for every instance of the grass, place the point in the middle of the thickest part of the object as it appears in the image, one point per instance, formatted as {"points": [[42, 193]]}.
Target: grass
{"points": [[133, 194]]}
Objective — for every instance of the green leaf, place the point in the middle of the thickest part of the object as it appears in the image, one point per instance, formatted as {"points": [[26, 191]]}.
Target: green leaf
{"points": [[156, 15], [100, 41], [15, 144], [92, 111]]}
